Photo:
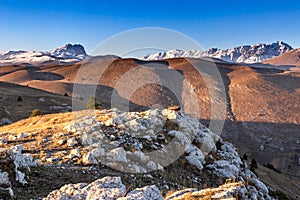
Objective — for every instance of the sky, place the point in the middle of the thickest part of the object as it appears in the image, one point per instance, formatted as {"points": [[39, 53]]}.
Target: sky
{"points": [[46, 25]]}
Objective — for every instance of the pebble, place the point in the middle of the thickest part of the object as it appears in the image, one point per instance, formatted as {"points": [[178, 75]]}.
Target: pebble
{"points": [[22, 135], [61, 141], [72, 142]]}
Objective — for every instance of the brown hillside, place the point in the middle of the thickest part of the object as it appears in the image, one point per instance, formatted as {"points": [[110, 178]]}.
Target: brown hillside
{"points": [[262, 105], [290, 58]]}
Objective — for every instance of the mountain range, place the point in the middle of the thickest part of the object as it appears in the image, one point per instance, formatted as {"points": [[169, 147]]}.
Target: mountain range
{"points": [[242, 54], [70, 54]]}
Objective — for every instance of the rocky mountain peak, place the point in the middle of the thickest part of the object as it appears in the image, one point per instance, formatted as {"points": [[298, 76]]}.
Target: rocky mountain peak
{"points": [[69, 51]]}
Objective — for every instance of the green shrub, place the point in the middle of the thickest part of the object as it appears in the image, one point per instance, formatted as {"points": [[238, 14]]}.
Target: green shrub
{"points": [[92, 104], [35, 112]]}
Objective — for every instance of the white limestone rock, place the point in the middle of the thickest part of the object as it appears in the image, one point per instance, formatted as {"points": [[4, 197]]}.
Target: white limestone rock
{"points": [[145, 193], [61, 141], [117, 154], [22, 135], [72, 142], [20, 161], [4, 178], [224, 169], [195, 156], [107, 188], [12, 138], [75, 153], [88, 159], [41, 100]]}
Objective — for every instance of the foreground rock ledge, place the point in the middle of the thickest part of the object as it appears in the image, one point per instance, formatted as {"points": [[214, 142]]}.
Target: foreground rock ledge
{"points": [[112, 188]]}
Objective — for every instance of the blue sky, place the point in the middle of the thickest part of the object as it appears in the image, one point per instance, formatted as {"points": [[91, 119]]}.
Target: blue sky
{"points": [[45, 25]]}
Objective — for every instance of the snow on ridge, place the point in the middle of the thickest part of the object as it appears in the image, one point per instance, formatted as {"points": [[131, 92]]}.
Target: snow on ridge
{"points": [[241, 54]]}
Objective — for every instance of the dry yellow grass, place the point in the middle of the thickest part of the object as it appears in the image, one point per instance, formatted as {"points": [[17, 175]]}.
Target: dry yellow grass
{"points": [[35, 124], [207, 194], [44, 133]]}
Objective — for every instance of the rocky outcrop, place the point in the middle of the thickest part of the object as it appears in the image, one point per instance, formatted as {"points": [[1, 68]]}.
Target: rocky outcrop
{"points": [[138, 142], [12, 166], [105, 188], [145, 143], [141, 142]]}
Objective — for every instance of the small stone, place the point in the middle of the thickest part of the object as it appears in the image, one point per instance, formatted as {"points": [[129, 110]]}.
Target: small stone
{"points": [[17, 148], [41, 99], [148, 176], [4, 121], [147, 192], [112, 137], [152, 165], [22, 135], [72, 142], [261, 147], [4, 178], [147, 137], [3, 141], [61, 142], [12, 138], [75, 152], [51, 160], [86, 139], [44, 140], [88, 159], [108, 122]]}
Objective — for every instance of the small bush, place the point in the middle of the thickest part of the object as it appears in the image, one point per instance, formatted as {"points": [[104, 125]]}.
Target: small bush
{"points": [[35, 112], [253, 165], [92, 104], [19, 99]]}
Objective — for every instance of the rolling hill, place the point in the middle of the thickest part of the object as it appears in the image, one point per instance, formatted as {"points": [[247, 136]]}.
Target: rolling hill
{"points": [[290, 58]]}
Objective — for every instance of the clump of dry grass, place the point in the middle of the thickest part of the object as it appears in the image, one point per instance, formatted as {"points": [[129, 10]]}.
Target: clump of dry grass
{"points": [[206, 194]]}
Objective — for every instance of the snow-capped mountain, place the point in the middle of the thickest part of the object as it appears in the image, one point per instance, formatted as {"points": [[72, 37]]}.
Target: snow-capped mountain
{"points": [[66, 54], [70, 51], [242, 54]]}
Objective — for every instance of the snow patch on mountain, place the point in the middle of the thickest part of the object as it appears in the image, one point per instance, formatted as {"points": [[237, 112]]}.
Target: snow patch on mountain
{"points": [[242, 54]]}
